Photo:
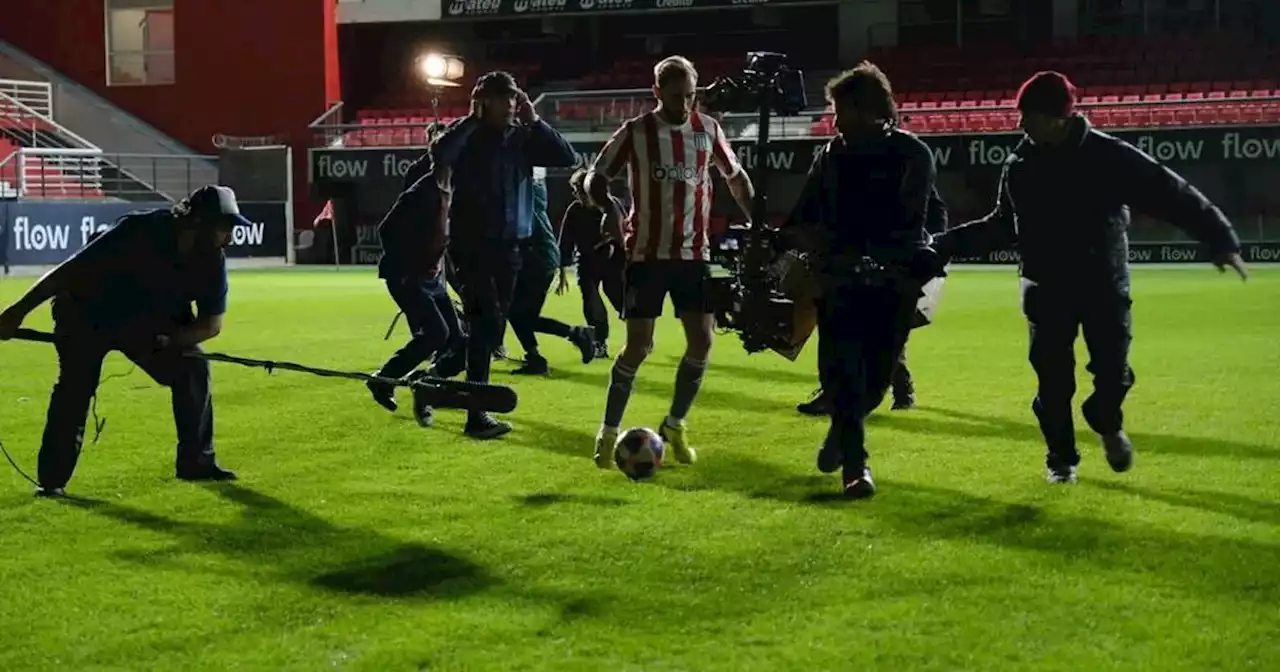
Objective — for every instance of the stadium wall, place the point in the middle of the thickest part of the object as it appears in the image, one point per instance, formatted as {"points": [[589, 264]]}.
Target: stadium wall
{"points": [[242, 68]]}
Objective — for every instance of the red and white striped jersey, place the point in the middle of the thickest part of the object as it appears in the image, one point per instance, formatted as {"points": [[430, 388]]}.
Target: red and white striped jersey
{"points": [[670, 178]]}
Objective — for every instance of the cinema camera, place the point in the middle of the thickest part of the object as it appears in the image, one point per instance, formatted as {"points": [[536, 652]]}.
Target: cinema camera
{"points": [[751, 300]]}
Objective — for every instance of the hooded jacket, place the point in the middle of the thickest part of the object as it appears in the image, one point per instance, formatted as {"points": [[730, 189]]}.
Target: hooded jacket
{"points": [[1065, 208]]}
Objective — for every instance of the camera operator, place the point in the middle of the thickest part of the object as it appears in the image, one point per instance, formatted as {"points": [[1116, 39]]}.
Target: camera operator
{"points": [[669, 152], [581, 233], [904, 390], [1064, 199], [488, 157], [864, 208]]}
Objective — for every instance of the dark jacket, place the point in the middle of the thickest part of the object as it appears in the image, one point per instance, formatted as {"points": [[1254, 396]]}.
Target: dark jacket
{"points": [[1066, 209], [543, 252], [414, 232], [876, 198], [492, 175], [581, 233]]}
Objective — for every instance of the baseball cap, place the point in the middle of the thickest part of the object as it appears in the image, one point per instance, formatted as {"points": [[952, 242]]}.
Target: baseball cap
{"points": [[217, 201], [1049, 93], [498, 82]]}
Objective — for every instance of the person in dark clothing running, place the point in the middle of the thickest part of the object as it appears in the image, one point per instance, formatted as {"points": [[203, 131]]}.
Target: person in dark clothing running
{"points": [[904, 389], [414, 235], [540, 256], [1064, 199], [487, 158], [863, 210], [599, 267], [131, 289]]}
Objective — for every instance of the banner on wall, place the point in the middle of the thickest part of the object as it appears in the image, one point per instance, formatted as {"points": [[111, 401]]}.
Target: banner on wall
{"points": [[1247, 144], [45, 234], [471, 9], [1156, 253]]}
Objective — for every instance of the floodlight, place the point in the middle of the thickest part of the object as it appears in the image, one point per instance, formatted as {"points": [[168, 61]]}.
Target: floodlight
{"points": [[440, 69]]}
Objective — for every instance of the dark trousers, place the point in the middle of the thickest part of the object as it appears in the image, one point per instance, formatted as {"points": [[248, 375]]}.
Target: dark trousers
{"points": [[81, 350], [1055, 316], [532, 285], [591, 281], [487, 272], [900, 380], [433, 323], [865, 330]]}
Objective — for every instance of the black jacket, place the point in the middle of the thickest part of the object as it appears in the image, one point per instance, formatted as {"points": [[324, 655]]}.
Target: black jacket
{"points": [[876, 198], [1066, 209], [414, 232]]}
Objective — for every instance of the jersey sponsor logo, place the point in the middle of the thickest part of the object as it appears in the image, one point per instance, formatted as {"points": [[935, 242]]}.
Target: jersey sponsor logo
{"points": [[675, 173], [702, 141]]}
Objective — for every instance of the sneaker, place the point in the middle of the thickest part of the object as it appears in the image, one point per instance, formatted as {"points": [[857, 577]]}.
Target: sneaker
{"points": [[859, 486], [205, 472], [50, 493], [1119, 451], [602, 351], [673, 436], [1060, 475], [606, 440], [904, 402], [422, 411], [819, 404], [534, 365], [383, 393], [584, 338], [484, 426], [830, 459], [500, 353]]}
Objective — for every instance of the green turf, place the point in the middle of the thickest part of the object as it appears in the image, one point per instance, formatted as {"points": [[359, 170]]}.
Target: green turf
{"points": [[357, 541]]}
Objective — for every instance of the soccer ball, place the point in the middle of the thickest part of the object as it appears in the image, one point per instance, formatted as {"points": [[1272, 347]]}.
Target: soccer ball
{"points": [[638, 453]]}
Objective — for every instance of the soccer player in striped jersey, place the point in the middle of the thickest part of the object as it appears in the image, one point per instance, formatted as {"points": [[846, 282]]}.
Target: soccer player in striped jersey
{"points": [[666, 155]]}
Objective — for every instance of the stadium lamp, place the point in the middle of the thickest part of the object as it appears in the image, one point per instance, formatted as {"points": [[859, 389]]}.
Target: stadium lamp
{"points": [[440, 69]]}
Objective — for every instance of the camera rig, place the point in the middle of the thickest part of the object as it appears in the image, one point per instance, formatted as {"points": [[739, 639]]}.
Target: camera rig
{"points": [[750, 300]]}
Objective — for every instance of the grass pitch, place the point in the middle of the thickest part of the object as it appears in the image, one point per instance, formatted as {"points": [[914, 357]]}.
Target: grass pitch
{"points": [[357, 541]]}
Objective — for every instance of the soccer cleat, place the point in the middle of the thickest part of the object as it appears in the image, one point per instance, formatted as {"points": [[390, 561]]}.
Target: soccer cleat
{"points": [[484, 426], [1119, 451], [819, 404], [606, 441], [383, 393], [860, 486], [584, 338], [674, 437], [1060, 475]]}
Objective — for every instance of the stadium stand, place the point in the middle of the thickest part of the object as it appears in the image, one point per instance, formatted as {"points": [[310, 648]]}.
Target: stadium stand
{"points": [[39, 174]]}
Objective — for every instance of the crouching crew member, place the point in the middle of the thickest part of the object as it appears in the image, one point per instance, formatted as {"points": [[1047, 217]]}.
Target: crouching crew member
{"points": [[131, 289], [415, 235], [867, 197], [1064, 199]]}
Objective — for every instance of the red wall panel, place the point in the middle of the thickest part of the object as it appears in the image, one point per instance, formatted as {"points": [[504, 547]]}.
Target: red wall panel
{"points": [[243, 67]]}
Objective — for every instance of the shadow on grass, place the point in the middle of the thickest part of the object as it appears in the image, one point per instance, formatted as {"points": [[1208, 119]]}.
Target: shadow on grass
{"points": [[946, 422], [545, 499], [1234, 568], [295, 542], [1221, 503], [658, 384]]}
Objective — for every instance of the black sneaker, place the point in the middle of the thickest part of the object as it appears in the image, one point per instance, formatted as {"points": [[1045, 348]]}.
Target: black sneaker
{"points": [[534, 365], [422, 411], [830, 459], [1060, 475], [904, 402], [859, 486], [383, 393], [1119, 451], [584, 338], [602, 350], [500, 354], [50, 493], [819, 404], [484, 426], [205, 472]]}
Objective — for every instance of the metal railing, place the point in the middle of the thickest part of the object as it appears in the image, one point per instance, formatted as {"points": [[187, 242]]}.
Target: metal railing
{"points": [[22, 116], [91, 174], [36, 96]]}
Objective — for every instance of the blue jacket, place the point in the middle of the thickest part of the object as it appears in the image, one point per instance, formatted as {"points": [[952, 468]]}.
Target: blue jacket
{"points": [[492, 175]]}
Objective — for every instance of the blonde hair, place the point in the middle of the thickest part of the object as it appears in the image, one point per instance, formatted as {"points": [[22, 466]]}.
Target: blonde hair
{"points": [[673, 67]]}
